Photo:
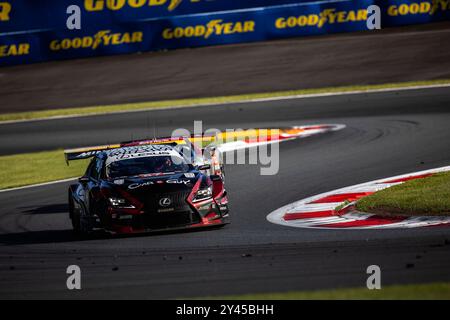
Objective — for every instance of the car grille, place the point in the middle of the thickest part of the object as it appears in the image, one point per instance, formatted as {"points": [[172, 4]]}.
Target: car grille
{"points": [[178, 201], [177, 214]]}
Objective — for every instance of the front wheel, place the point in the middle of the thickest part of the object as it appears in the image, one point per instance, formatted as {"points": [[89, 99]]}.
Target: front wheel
{"points": [[80, 224]]}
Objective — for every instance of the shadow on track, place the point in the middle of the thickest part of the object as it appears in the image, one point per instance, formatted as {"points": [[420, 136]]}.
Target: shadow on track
{"points": [[34, 237], [59, 236], [47, 209]]}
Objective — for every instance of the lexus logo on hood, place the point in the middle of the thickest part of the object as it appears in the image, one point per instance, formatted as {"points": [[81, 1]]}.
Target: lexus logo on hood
{"points": [[165, 202]]}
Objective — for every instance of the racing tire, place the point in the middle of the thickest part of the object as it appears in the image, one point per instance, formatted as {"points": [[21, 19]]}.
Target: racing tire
{"points": [[74, 217], [79, 225]]}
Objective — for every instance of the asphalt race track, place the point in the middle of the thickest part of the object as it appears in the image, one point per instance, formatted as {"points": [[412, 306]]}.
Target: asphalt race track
{"points": [[387, 134]]}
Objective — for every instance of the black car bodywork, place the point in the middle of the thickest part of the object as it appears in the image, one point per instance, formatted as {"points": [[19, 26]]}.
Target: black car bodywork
{"points": [[148, 202]]}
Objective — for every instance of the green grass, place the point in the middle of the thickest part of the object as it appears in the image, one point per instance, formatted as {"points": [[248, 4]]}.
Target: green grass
{"points": [[426, 196], [341, 206], [200, 101], [432, 291], [31, 168]]}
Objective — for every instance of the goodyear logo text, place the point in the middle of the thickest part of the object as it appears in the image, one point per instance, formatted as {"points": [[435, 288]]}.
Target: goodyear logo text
{"points": [[327, 16], [419, 8], [19, 49], [115, 5], [214, 27], [5, 9], [101, 38]]}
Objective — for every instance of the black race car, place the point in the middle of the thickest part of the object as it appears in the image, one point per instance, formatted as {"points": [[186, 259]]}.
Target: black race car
{"points": [[145, 186]]}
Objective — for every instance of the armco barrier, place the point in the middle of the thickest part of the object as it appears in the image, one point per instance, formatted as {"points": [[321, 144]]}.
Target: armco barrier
{"points": [[33, 31]]}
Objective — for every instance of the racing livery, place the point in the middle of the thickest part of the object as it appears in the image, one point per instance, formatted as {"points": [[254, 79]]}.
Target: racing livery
{"points": [[146, 186]]}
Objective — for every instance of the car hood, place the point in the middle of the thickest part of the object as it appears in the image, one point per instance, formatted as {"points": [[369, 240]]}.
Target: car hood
{"points": [[152, 183]]}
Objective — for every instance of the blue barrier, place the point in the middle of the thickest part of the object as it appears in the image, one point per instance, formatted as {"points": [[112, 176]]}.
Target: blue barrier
{"points": [[31, 32]]}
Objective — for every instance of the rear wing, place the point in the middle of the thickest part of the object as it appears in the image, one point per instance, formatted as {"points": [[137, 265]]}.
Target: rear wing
{"points": [[88, 152]]}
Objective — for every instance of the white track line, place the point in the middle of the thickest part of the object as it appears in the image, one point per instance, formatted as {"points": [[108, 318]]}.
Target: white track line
{"points": [[280, 98], [38, 185]]}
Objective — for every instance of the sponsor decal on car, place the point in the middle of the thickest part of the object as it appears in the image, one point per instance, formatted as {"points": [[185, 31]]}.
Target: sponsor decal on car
{"points": [[169, 181], [119, 181]]}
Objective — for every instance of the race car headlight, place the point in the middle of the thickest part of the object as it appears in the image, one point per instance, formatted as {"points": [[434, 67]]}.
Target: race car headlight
{"points": [[203, 194], [120, 203]]}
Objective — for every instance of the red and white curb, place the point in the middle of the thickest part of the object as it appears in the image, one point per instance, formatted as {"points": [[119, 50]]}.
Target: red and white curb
{"points": [[318, 212], [282, 134]]}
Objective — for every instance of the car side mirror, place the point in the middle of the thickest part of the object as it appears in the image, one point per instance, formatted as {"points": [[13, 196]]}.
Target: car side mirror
{"points": [[204, 167], [83, 179]]}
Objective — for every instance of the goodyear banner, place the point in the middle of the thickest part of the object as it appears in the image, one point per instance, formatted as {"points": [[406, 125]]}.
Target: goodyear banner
{"points": [[34, 31]]}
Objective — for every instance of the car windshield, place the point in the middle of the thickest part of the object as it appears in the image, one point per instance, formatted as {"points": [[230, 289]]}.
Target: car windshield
{"points": [[146, 165]]}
